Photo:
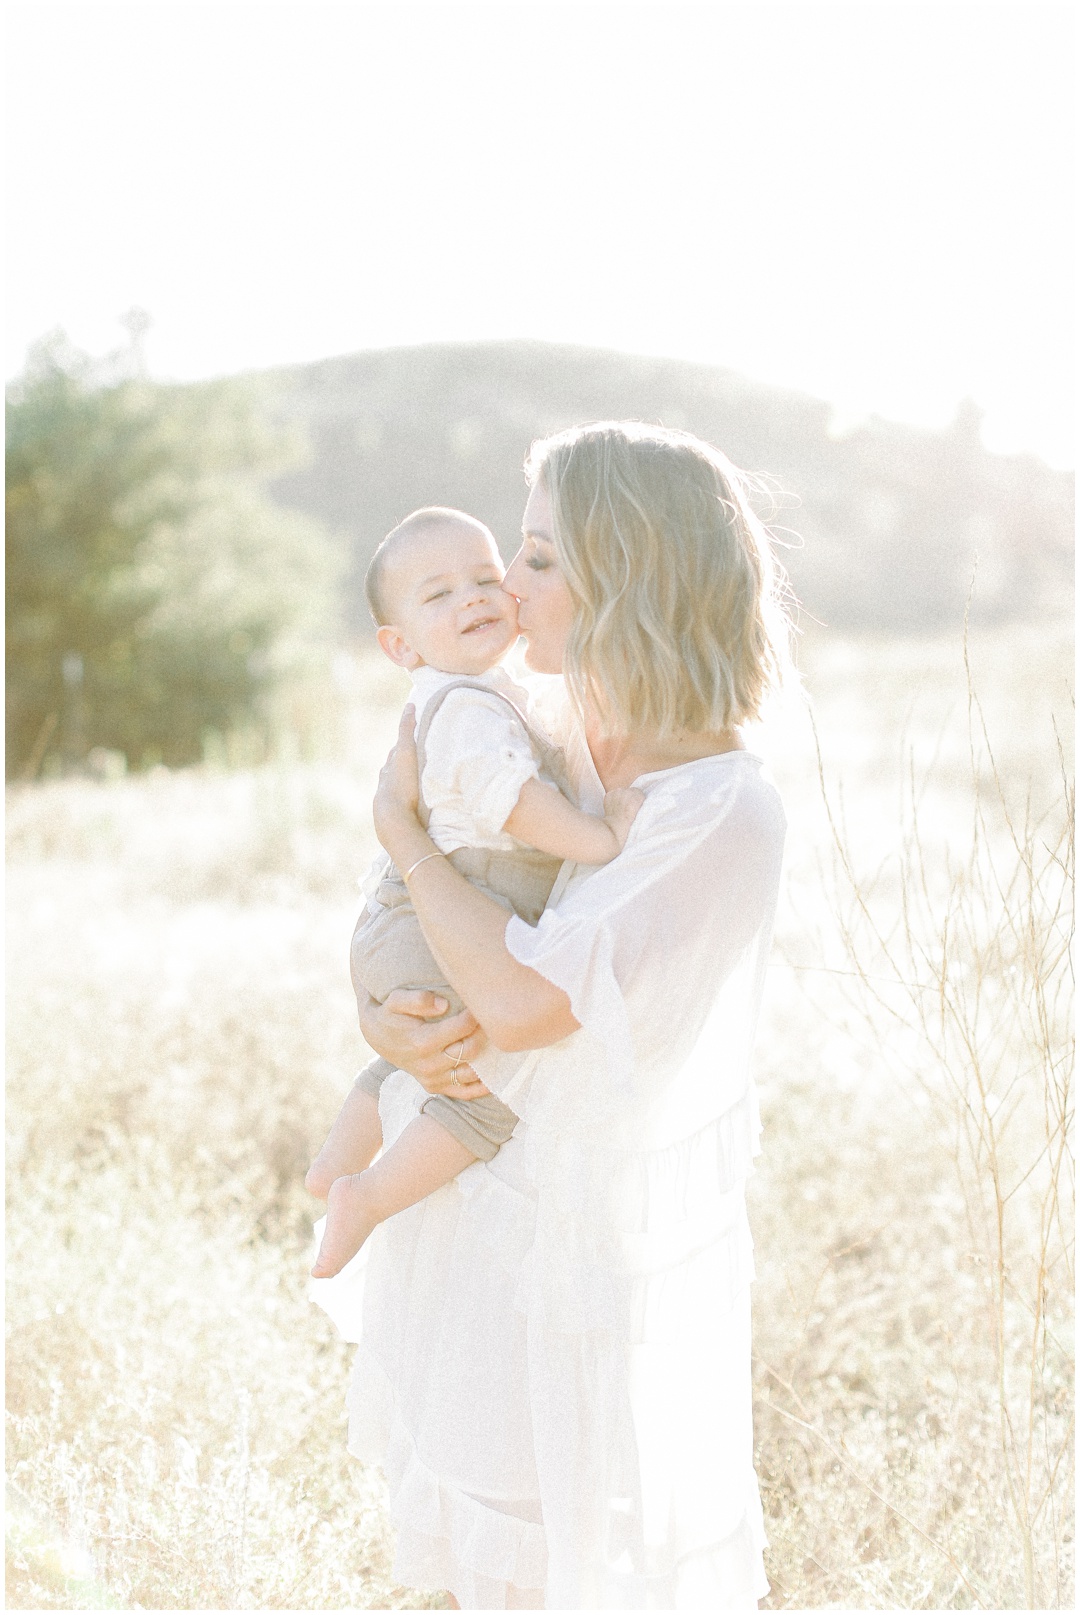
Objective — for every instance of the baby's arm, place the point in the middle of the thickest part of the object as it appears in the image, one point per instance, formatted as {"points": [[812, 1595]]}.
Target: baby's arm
{"points": [[543, 818]]}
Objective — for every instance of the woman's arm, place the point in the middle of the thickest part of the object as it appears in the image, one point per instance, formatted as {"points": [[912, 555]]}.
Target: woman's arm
{"points": [[465, 929], [516, 1006]]}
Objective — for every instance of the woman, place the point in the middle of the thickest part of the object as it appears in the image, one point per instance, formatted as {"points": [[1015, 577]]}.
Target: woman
{"points": [[555, 1365]]}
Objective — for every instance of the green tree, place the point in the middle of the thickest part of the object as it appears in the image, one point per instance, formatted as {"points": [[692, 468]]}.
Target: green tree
{"points": [[154, 591]]}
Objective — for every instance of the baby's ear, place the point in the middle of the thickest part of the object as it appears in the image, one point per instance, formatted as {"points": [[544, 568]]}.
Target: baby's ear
{"points": [[393, 644]]}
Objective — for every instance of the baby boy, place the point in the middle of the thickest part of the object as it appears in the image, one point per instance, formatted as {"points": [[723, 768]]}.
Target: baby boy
{"points": [[493, 797]]}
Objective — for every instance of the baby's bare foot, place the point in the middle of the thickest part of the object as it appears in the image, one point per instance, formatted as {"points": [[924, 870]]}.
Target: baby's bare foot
{"points": [[350, 1218]]}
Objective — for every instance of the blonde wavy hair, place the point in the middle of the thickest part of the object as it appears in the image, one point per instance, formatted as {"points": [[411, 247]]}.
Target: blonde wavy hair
{"points": [[681, 620]]}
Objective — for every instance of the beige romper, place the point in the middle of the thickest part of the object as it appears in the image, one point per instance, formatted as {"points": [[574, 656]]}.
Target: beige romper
{"points": [[388, 946]]}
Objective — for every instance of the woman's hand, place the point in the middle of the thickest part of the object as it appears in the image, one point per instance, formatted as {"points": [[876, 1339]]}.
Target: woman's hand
{"points": [[404, 1031], [397, 795]]}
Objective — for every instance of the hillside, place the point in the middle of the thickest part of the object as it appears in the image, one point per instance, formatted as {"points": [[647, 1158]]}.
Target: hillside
{"points": [[890, 517]]}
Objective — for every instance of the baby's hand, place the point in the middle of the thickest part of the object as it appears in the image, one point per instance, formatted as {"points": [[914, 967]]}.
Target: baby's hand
{"points": [[621, 808]]}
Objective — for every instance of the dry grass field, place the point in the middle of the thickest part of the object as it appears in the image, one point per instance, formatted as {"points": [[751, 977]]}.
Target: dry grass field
{"points": [[180, 1032]]}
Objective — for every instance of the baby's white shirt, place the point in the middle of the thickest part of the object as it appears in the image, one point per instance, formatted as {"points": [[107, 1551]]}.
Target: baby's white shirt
{"points": [[477, 758]]}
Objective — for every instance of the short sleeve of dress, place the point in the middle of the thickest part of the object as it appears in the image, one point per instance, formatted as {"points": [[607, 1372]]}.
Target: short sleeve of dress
{"points": [[477, 758], [643, 945]]}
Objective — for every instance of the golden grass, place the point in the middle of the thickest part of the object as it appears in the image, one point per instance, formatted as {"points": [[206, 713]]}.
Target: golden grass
{"points": [[181, 1030], [914, 1208]]}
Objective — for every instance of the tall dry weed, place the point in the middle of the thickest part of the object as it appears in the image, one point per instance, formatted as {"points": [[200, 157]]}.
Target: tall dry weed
{"points": [[972, 987], [956, 967]]}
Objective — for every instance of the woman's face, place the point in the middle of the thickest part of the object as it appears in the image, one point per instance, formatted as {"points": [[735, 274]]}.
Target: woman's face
{"points": [[545, 608]]}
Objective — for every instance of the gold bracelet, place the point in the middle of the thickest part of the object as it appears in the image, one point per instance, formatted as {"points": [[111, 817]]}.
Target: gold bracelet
{"points": [[419, 861]]}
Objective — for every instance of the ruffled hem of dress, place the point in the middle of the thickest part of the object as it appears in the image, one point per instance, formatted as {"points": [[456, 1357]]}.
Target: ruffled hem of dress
{"points": [[729, 1576], [491, 1559], [443, 1528]]}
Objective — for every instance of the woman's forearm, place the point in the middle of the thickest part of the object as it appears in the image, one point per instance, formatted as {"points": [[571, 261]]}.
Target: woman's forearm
{"points": [[465, 929]]}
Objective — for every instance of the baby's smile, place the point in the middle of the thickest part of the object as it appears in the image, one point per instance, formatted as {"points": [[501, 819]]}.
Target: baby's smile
{"points": [[493, 620]]}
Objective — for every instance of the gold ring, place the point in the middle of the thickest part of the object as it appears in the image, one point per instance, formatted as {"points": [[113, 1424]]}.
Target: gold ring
{"points": [[454, 1079]]}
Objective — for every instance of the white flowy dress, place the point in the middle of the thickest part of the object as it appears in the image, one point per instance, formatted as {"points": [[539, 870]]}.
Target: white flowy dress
{"points": [[554, 1362]]}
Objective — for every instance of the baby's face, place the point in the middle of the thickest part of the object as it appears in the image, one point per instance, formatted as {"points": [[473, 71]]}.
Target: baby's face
{"points": [[449, 608]]}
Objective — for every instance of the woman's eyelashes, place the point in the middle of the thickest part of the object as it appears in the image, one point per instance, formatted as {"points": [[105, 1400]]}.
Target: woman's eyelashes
{"points": [[537, 563]]}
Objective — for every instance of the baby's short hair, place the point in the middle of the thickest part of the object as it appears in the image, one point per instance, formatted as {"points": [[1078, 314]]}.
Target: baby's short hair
{"points": [[417, 522]]}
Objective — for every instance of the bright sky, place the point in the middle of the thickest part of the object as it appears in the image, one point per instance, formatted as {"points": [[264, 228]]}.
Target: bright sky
{"points": [[870, 202]]}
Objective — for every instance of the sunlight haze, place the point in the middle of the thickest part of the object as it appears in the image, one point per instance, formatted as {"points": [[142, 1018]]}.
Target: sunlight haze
{"points": [[868, 203]]}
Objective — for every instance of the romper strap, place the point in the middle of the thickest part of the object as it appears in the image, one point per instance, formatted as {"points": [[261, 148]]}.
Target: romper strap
{"points": [[549, 756]]}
